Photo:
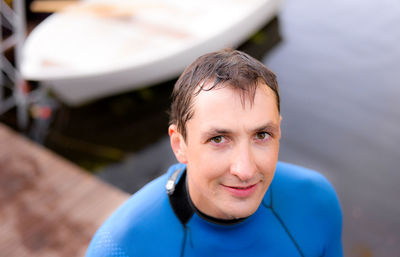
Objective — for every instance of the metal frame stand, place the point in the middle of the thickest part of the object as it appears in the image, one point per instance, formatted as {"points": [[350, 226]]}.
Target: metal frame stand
{"points": [[14, 21]]}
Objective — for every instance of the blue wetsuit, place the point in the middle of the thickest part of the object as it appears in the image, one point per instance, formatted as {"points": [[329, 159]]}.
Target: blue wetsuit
{"points": [[299, 216]]}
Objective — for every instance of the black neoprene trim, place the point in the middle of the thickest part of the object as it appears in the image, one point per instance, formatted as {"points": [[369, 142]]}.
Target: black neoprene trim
{"points": [[180, 202], [184, 241], [283, 224], [184, 208]]}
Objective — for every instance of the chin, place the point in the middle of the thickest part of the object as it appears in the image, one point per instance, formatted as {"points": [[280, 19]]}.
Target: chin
{"points": [[241, 215], [240, 212], [235, 207]]}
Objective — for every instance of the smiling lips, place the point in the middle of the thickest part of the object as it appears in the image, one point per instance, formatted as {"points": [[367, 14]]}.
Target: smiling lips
{"points": [[242, 192]]}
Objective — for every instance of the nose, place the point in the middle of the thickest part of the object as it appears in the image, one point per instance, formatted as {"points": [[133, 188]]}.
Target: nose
{"points": [[243, 163]]}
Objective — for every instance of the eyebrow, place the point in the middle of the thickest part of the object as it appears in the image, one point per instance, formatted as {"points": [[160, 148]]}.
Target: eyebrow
{"points": [[267, 127], [214, 132], [272, 127]]}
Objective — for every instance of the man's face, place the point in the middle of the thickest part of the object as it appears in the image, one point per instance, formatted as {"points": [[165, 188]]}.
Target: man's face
{"points": [[231, 151]]}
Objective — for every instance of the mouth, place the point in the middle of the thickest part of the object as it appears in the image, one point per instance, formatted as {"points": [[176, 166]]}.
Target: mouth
{"points": [[241, 191]]}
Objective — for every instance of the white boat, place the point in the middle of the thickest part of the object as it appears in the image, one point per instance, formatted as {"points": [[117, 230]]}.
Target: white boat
{"points": [[99, 48]]}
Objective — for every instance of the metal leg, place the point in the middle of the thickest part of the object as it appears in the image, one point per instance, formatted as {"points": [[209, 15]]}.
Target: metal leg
{"points": [[15, 17]]}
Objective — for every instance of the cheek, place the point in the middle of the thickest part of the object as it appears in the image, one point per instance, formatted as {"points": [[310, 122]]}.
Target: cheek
{"points": [[266, 159], [207, 167], [204, 155], [210, 170]]}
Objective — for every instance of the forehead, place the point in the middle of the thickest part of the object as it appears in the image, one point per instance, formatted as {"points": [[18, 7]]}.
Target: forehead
{"points": [[227, 93], [227, 106]]}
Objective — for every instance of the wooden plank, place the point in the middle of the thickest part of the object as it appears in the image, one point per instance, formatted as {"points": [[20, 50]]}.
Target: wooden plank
{"points": [[48, 206]]}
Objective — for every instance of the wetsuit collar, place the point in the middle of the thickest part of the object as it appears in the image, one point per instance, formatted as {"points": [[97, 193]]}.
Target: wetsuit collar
{"points": [[183, 206]]}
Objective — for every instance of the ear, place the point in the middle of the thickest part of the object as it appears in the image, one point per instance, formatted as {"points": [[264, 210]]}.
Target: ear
{"points": [[178, 144]]}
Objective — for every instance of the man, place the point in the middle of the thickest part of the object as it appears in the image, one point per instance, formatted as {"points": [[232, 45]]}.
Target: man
{"points": [[229, 196]]}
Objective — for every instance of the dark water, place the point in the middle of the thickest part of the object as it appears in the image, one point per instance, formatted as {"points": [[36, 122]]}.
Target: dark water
{"points": [[338, 65], [339, 72]]}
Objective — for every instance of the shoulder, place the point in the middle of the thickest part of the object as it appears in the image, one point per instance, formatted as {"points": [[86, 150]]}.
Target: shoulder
{"points": [[308, 204], [292, 180], [134, 228], [305, 190]]}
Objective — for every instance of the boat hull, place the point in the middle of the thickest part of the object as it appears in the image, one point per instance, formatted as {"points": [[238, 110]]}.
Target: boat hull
{"points": [[162, 53]]}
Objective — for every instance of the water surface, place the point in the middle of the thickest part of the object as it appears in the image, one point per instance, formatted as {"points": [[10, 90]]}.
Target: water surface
{"points": [[339, 71]]}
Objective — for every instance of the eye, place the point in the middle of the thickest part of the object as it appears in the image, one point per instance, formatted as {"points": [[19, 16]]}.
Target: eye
{"points": [[218, 139], [262, 135]]}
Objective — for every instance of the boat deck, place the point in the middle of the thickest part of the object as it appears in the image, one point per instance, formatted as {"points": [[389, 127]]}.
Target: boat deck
{"points": [[48, 206]]}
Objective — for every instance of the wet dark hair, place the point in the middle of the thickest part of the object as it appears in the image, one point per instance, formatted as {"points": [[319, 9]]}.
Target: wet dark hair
{"points": [[223, 68]]}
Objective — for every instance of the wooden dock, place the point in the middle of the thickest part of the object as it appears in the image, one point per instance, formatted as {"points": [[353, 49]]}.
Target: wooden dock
{"points": [[48, 206]]}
